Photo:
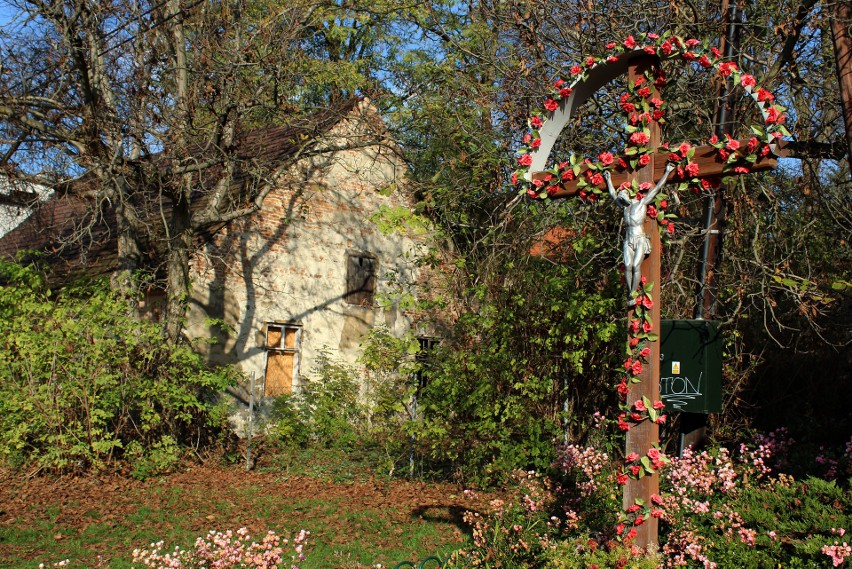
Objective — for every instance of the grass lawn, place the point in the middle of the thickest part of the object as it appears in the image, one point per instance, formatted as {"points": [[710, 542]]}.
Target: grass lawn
{"points": [[356, 517]]}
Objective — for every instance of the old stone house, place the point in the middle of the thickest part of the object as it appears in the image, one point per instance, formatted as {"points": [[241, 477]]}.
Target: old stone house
{"points": [[303, 275]]}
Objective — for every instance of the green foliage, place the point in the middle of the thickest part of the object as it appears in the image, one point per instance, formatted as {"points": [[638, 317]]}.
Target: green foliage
{"points": [[326, 411], [515, 533], [344, 409], [83, 378], [586, 553], [526, 364], [160, 458]]}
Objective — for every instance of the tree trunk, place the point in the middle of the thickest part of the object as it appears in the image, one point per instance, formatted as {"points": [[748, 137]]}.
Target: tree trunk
{"points": [[841, 20], [177, 271]]}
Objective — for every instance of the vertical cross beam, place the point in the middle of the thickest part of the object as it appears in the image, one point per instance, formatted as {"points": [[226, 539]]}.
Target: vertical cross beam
{"points": [[643, 435]]}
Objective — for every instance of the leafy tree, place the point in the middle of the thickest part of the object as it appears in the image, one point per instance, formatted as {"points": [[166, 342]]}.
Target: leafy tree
{"points": [[153, 102]]}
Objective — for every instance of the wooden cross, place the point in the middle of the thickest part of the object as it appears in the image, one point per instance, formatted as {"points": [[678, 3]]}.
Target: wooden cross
{"points": [[643, 435]]}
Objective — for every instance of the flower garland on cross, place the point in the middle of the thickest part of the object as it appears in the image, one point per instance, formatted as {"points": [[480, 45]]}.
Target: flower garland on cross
{"points": [[642, 106]]}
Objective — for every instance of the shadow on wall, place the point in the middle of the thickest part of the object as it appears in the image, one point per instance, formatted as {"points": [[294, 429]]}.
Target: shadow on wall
{"points": [[231, 254]]}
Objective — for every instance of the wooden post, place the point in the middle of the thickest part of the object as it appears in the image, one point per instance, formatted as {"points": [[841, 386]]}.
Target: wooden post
{"points": [[641, 436]]}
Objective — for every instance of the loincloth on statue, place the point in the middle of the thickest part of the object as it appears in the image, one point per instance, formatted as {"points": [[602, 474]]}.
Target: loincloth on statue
{"points": [[639, 243]]}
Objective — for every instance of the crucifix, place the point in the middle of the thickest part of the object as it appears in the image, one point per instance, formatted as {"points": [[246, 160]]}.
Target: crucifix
{"points": [[642, 246]]}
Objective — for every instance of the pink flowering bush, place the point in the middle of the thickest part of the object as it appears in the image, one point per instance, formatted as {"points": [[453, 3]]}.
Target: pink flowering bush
{"points": [[226, 550], [728, 509], [717, 509], [515, 532]]}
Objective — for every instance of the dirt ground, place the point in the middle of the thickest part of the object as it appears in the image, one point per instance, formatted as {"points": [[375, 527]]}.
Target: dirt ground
{"points": [[204, 497]]}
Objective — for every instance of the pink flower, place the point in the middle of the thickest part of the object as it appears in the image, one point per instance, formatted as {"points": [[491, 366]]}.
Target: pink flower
{"points": [[629, 42], [525, 160], [621, 479], [632, 457], [647, 327], [670, 228], [559, 84], [590, 61], [666, 47], [747, 80], [646, 351], [640, 406], [654, 454], [514, 178], [551, 105], [606, 158], [535, 143], [664, 204], [773, 116], [644, 160], [741, 170], [610, 45], [636, 368], [727, 68], [659, 405], [653, 36], [640, 137], [657, 512], [644, 92], [576, 70], [764, 95], [649, 49], [536, 122], [652, 212], [691, 169], [733, 144], [704, 62]]}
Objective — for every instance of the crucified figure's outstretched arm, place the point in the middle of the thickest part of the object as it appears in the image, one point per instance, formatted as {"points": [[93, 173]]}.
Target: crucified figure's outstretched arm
{"points": [[656, 189]]}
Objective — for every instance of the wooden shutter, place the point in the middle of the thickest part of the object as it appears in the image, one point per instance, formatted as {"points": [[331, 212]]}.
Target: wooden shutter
{"points": [[360, 280]]}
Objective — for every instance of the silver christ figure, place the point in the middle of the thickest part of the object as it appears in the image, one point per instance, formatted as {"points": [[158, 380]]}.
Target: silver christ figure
{"points": [[637, 245]]}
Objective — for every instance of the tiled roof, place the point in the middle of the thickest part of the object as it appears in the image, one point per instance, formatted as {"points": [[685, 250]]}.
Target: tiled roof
{"points": [[76, 239]]}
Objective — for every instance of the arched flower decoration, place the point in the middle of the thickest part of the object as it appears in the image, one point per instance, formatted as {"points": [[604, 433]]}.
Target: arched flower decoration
{"points": [[641, 106]]}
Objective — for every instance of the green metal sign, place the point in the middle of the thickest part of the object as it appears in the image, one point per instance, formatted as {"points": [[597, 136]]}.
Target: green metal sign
{"points": [[691, 366]]}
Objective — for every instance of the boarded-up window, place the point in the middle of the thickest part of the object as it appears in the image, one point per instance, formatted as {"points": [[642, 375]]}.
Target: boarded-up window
{"points": [[360, 279], [282, 358]]}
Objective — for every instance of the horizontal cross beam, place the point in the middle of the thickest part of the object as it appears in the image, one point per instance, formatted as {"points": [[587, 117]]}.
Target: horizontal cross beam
{"points": [[706, 157]]}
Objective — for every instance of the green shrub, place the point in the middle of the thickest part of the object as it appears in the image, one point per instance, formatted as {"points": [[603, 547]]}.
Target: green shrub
{"points": [[81, 378], [326, 411]]}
